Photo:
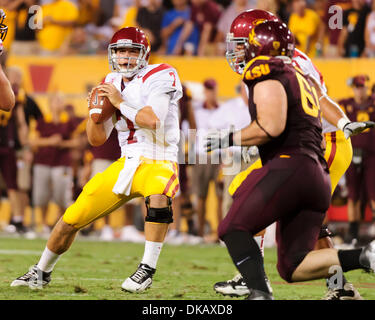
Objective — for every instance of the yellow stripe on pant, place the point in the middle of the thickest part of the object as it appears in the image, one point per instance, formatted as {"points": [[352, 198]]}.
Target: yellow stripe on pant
{"points": [[338, 155], [98, 200]]}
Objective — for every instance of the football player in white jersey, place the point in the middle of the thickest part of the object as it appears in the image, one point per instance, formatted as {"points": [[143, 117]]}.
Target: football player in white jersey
{"points": [[146, 119], [337, 128]]}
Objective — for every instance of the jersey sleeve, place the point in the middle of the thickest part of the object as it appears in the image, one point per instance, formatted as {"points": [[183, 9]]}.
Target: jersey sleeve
{"points": [[164, 80], [308, 68], [262, 68]]}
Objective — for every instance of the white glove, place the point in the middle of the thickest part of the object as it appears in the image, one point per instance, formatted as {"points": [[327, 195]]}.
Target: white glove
{"points": [[354, 128], [249, 153]]}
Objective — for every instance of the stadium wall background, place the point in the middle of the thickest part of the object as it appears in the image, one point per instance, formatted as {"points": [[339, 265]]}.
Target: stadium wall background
{"points": [[73, 75]]}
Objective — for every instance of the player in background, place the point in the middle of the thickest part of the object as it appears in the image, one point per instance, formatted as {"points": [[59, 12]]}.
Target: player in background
{"points": [[146, 120], [7, 98], [360, 177], [338, 152], [293, 185]]}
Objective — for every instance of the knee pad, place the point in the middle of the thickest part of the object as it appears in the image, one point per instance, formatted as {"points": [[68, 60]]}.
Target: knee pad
{"points": [[159, 215], [324, 232]]}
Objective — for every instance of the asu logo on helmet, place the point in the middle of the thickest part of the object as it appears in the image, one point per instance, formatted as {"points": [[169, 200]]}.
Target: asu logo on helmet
{"points": [[270, 38], [238, 37]]}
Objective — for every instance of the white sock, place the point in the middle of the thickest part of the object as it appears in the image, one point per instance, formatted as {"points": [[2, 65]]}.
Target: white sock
{"points": [[152, 252], [47, 260], [260, 241]]}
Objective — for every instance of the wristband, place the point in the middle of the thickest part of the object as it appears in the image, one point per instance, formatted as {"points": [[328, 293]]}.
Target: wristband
{"points": [[342, 123], [128, 112]]}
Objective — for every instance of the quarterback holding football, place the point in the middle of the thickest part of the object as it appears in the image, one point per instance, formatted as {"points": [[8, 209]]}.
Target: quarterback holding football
{"points": [[142, 107]]}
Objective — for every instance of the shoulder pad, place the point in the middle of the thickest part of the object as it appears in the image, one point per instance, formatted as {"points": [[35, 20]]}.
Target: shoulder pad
{"points": [[262, 67], [157, 70]]}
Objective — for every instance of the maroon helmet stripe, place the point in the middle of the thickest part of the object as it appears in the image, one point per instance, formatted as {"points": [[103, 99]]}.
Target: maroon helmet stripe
{"points": [[163, 66]]}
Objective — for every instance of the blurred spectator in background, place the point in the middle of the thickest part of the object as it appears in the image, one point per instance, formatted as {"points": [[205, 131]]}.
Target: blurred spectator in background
{"points": [[304, 24], [173, 23], [206, 170], [52, 172], [24, 154], [360, 176], [25, 42], [331, 28], [149, 19], [58, 17], [283, 10], [182, 205], [370, 33], [80, 42], [13, 137], [226, 19], [205, 15], [88, 11], [268, 5], [351, 42]]}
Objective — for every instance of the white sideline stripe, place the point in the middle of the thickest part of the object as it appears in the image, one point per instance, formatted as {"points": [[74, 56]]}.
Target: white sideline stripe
{"points": [[89, 279], [23, 252]]}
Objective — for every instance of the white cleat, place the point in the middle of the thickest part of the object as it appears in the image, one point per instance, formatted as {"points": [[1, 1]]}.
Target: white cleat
{"points": [[34, 279], [140, 280], [367, 256]]}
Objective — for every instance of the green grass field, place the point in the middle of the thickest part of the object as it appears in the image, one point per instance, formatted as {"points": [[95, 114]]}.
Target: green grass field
{"points": [[95, 270]]}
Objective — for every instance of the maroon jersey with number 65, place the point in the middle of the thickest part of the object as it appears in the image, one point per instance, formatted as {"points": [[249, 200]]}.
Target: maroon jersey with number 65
{"points": [[303, 130]]}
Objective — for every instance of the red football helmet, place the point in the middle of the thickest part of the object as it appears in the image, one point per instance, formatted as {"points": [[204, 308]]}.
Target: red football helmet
{"points": [[132, 38], [270, 38], [238, 37]]}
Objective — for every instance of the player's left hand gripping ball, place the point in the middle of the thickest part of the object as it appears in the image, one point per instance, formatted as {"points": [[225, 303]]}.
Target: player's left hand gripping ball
{"points": [[217, 140], [354, 128]]}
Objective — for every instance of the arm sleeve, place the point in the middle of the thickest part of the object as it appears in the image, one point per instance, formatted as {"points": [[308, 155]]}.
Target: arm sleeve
{"points": [[159, 103]]}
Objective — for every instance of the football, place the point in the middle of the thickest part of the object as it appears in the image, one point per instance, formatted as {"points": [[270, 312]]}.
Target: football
{"points": [[100, 108]]}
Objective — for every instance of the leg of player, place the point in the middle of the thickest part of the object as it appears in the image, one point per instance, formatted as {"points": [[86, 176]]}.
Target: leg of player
{"points": [[323, 263], [60, 240], [159, 216], [236, 287], [341, 289]]}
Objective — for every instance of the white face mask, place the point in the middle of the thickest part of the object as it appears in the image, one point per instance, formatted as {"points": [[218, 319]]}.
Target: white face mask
{"points": [[235, 56], [133, 65]]}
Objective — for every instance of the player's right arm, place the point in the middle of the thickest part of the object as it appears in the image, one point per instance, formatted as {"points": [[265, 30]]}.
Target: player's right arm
{"points": [[336, 116], [7, 98], [272, 105], [96, 132]]}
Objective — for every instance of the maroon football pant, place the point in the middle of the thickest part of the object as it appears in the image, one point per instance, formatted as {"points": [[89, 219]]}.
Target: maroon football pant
{"points": [[361, 178], [295, 192], [8, 167]]}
